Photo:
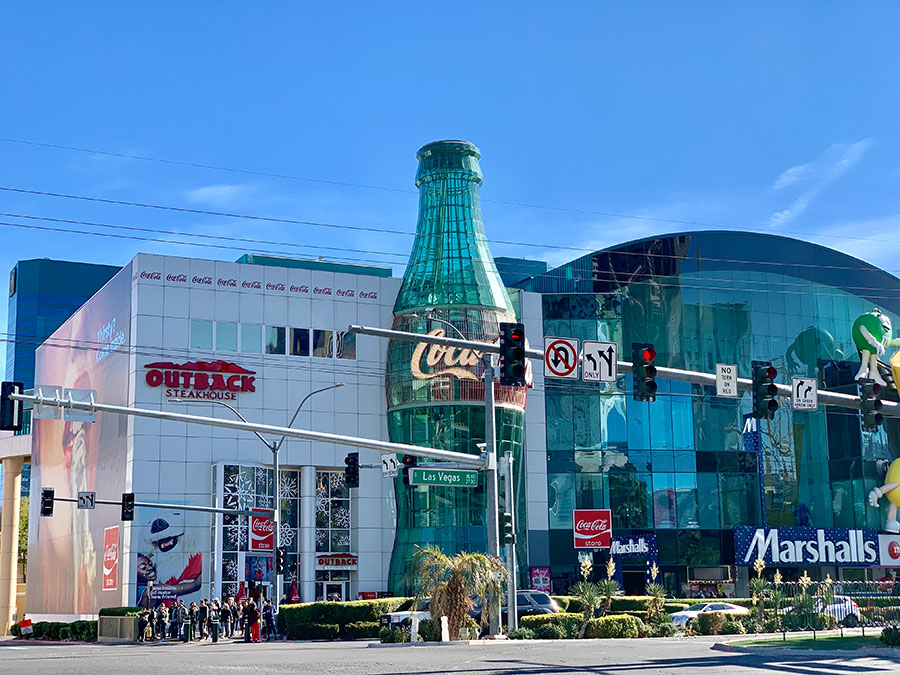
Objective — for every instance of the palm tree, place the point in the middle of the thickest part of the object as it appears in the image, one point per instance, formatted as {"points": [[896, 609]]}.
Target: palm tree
{"points": [[656, 601], [608, 589], [452, 580], [590, 597]]}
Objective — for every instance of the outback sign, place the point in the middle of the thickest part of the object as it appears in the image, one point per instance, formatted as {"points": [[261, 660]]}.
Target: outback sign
{"points": [[218, 380], [806, 546]]}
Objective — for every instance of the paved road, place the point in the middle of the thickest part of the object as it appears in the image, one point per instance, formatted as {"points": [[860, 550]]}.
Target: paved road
{"points": [[689, 656]]}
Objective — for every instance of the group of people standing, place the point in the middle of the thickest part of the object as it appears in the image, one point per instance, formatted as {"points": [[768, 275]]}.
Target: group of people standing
{"points": [[208, 620]]}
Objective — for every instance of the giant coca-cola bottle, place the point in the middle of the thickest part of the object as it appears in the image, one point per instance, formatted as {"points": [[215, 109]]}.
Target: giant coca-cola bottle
{"points": [[435, 395]]}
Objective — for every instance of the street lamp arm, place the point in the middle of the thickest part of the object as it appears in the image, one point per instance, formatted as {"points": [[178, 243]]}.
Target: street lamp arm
{"points": [[235, 411], [277, 446]]}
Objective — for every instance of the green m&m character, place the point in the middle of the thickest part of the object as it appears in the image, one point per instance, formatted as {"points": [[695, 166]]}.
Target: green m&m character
{"points": [[872, 334]]}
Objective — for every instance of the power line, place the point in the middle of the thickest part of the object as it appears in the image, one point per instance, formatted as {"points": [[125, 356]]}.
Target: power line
{"points": [[562, 209]]}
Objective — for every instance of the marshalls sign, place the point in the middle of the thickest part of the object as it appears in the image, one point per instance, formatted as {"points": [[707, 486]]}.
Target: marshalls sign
{"points": [[806, 546]]}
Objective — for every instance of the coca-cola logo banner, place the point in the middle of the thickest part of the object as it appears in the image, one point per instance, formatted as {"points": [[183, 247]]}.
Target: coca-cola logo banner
{"points": [[592, 528], [262, 532]]}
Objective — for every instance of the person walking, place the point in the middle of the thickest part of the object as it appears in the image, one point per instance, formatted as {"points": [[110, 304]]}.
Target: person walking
{"points": [[253, 616], [226, 618], [245, 619], [269, 619], [192, 620], [162, 621], [202, 617], [213, 617], [143, 620]]}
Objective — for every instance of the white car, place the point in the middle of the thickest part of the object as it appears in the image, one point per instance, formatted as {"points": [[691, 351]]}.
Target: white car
{"points": [[685, 616], [400, 619], [842, 608]]}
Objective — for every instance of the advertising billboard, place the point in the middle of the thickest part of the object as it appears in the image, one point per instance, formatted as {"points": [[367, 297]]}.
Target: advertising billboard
{"points": [[806, 546], [67, 569]]}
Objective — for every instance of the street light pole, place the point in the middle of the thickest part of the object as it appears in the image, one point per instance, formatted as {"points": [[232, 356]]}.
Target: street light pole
{"points": [[274, 447]]}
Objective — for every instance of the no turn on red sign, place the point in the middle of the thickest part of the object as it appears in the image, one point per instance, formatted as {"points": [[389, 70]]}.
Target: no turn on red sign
{"points": [[561, 358]]}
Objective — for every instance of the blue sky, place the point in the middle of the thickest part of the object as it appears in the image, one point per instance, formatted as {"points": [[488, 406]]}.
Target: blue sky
{"points": [[768, 115]]}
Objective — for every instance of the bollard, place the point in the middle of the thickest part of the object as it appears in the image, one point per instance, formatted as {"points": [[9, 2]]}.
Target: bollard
{"points": [[414, 630], [445, 629]]}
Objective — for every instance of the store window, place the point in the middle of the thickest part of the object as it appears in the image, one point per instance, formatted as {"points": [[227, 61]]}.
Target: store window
{"points": [[322, 346], [251, 338], [226, 337], [332, 513], [201, 334], [345, 346], [275, 339], [299, 341]]}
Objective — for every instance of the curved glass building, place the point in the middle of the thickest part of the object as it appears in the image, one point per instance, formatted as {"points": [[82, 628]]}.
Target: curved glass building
{"points": [[690, 467]]}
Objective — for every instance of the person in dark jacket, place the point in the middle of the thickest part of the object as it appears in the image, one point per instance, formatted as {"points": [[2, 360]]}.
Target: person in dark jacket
{"points": [[253, 616], [192, 620], [269, 619], [143, 621], [202, 617]]}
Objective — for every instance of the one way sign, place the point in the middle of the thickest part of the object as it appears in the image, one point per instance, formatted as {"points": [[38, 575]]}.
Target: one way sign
{"points": [[804, 393], [599, 361]]}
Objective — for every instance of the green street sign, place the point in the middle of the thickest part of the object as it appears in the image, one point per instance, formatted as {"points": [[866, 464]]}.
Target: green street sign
{"points": [[443, 477]]}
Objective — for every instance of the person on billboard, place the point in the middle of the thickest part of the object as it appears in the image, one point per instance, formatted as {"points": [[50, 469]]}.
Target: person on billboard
{"points": [[167, 549], [147, 574]]}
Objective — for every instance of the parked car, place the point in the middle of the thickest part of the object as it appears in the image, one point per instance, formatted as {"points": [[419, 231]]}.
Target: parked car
{"points": [[685, 616], [528, 603], [842, 608], [401, 619]]}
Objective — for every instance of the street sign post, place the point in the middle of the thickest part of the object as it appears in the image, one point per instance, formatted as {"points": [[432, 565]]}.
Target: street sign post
{"points": [[390, 465], [726, 380], [561, 358], [443, 477], [87, 500], [804, 393], [599, 361]]}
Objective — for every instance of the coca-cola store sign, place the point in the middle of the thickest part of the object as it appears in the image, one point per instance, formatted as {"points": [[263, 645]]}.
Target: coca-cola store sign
{"points": [[209, 380], [592, 528], [262, 532]]}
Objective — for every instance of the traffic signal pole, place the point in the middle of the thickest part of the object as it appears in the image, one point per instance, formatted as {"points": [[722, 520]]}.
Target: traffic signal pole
{"points": [[889, 408], [490, 471]]}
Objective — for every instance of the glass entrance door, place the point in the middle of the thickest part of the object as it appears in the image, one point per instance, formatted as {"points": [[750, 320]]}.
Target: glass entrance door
{"points": [[331, 590]]}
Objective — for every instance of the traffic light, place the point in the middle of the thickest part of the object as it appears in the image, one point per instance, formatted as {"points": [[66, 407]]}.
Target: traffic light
{"points": [[10, 411], [870, 404], [409, 463], [512, 354], [279, 561], [127, 506], [46, 502], [351, 471], [507, 536], [643, 371], [764, 390]]}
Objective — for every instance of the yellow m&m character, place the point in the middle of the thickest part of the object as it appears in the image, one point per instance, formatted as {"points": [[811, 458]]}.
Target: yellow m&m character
{"points": [[891, 490]]}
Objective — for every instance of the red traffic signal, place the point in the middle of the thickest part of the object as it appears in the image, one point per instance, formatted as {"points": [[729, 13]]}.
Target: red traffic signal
{"points": [[649, 353], [771, 372]]}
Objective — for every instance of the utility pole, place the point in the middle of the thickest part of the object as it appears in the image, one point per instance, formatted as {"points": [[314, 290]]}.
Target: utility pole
{"points": [[490, 473]]}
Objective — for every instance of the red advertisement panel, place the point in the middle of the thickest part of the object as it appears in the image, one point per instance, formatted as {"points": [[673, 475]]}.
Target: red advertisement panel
{"points": [[111, 558], [262, 533], [592, 528]]}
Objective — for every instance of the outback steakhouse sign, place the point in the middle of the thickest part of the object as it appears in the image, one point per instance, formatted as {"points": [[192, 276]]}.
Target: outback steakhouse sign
{"points": [[593, 528], [219, 380], [336, 561]]}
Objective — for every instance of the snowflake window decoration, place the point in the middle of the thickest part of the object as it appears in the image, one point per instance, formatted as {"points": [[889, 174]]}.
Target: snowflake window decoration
{"points": [[231, 569], [321, 537], [237, 537], [340, 518], [238, 492], [288, 488], [286, 535], [344, 540], [336, 481], [230, 590]]}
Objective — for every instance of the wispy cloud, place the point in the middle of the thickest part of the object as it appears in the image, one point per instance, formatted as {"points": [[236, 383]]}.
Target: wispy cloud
{"points": [[219, 195], [816, 176]]}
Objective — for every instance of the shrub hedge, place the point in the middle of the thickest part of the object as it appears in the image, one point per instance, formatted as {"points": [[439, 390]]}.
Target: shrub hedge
{"points": [[559, 619], [709, 623], [616, 626], [330, 620], [81, 631], [120, 611]]}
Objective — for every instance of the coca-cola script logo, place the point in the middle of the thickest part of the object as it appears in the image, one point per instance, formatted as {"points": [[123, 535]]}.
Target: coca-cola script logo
{"points": [[206, 281], [251, 284], [262, 532], [431, 361], [151, 275], [274, 287], [346, 293], [369, 295], [215, 380], [322, 291], [299, 289], [593, 528], [227, 282], [177, 278]]}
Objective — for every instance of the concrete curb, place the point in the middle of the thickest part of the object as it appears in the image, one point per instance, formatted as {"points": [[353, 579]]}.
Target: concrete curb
{"points": [[457, 643], [889, 653]]}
